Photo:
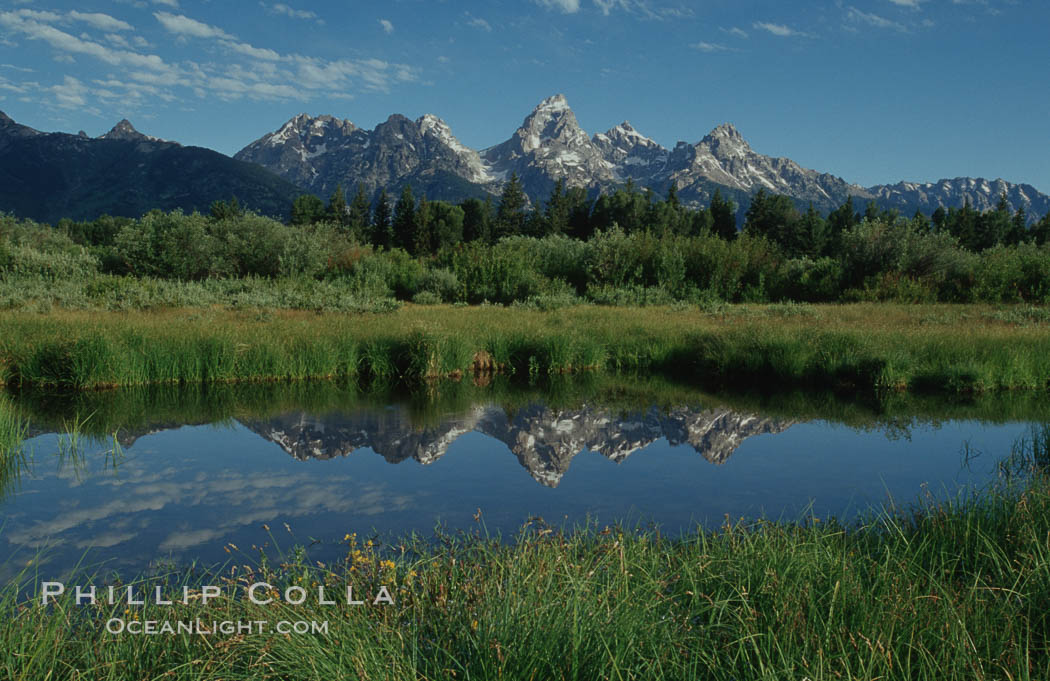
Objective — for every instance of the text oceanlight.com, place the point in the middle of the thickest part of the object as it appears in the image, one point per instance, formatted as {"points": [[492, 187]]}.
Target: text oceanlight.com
{"points": [[118, 625]]}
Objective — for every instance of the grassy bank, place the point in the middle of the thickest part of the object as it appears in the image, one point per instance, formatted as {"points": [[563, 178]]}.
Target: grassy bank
{"points": [[857, 347], [954, 591]]}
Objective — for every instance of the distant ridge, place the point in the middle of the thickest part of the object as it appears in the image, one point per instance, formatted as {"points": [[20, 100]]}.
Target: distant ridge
{"points": [[50, 176]]}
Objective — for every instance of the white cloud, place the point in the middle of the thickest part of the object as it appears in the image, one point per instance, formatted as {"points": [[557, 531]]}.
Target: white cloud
{"points": [[856, 16], [779, 29], [643, 8], [387, 26], [247, 50], [709, 47], [735, 32], [182, 25], [281, 8], [70, 94], [101, 21], [174, 4], [67, 43], [567, 6], [907, 3], [245, 72], [38, 16], [118, 40], [607, 6], [478, 22]]}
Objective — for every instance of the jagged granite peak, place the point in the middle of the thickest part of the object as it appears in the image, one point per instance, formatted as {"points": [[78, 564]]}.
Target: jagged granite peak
{"points": [[548, 146], [725, 158], [544, 440], [319, 153], [125, 131], [433, 128], [290, 150], [632, 153]]}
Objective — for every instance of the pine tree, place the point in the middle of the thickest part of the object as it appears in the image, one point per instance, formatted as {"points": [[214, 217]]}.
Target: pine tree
{"points": [[445, 224], [939, 218], [809, 236], [405, 220], [382, 235], [920, 222], [360, 217], [422, 238], [672, 195], [556, 212], [723, 221], [337, 210], [580, 226], [774, 217], [307, 209], [510, 215], [1018, 227], [223, 210], [842, 218], [1041, 230], [477, 219]]}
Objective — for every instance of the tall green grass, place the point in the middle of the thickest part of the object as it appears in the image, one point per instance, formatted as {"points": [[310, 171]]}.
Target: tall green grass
{"points": [[857, 347], [14, 428]]}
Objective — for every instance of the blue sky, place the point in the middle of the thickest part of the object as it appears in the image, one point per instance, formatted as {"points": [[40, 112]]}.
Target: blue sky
{"points": [[872, 90]]}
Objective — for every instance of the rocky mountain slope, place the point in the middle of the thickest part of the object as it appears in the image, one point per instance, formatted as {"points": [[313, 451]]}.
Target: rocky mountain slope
{"points": [[322, 153], [49, 176]]}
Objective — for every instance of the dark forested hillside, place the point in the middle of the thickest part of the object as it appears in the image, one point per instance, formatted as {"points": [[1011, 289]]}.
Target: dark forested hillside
{"points": [[47, 177]]}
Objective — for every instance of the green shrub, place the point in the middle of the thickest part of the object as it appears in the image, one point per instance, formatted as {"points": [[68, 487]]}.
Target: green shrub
{"points": [[441, 283], [1007, 274], [426, 298]]}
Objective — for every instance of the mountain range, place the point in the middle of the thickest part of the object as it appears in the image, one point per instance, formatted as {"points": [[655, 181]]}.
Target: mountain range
{"points": [[320, 153], [47, 176]]}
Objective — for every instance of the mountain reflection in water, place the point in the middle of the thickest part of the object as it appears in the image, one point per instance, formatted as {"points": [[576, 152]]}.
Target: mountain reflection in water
{"points": [[181, 475], [544, 440]]}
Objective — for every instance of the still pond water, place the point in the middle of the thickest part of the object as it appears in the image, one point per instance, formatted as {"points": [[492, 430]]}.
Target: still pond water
{"points": [[187, 474]]}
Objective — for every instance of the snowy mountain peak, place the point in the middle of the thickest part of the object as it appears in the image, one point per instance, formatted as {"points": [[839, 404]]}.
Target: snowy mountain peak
{"points": [[632, 153], [625, 132], [725, 141], [429, 123], [432, 127], [553, 103], [551, 121], [304, 126], [726, 130]]}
